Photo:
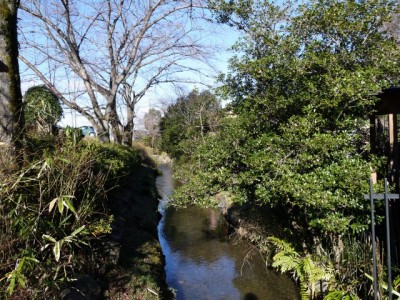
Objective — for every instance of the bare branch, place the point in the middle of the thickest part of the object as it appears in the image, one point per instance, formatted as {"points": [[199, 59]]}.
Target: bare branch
{"points": [[119, 49]]}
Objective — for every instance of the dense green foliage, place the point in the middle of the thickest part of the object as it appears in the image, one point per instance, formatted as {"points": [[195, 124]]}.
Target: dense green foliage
{"points": [[187, 121], [52, 212], [42, 108], [302, 88], [301, 95]]}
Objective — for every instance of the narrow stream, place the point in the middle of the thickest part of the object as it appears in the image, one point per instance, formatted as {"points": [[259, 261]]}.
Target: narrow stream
{"points": [[203, 263]]}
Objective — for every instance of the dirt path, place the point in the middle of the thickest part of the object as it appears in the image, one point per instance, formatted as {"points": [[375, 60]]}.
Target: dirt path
{"points": [[139, 272]]}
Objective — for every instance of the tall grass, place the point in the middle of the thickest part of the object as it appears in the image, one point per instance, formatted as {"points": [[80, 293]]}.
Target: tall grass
{"points": [[52, 210]]}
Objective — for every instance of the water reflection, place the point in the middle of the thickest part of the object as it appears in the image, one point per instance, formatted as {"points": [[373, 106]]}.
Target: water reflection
{"points": [[202, 263], [189, 231]]}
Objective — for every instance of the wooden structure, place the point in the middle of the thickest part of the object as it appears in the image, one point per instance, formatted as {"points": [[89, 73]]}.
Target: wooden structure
{"points": [[384, 135]]}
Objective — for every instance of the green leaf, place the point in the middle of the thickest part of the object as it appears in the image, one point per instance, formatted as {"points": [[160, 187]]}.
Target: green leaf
{"points": [[67, 203], [32, 259], [384, 285], [57, 250], [21, 281], [77, 231], [60, 203], [49, 238], [11, 286], [52, 203], [20, 264], [45, 165]]}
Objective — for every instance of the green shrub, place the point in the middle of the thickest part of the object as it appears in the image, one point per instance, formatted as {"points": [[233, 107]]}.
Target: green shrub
{"points": [[42, 108], [52, 210]]}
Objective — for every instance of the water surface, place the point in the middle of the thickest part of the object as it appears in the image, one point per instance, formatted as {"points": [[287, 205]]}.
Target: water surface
{"points": [[202, 262]]}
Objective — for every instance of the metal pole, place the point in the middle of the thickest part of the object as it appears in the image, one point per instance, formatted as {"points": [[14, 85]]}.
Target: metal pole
{"points": [[373, 240], [389, 260]]}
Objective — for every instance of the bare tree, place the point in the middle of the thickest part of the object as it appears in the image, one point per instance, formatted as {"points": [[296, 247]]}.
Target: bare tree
{"points": [[118, 49], [11, 121], [151, 122]]}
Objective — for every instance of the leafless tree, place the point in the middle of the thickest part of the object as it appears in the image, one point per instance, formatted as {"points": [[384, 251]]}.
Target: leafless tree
{"points": [[151, 122], [393, 27], [116, 49], [11, 121]]}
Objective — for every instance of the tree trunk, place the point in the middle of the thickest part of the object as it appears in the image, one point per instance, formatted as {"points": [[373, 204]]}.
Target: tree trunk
{"points": [[116, 131], [11, 114], [129, 127], [102, 131], [127, 134], [115, 128]]}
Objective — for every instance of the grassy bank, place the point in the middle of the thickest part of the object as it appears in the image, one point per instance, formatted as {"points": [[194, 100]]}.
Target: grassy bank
{"points": [[79, 217]]}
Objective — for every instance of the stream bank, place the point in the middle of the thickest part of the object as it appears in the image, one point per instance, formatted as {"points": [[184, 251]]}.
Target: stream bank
{"points": [[139, 272]]}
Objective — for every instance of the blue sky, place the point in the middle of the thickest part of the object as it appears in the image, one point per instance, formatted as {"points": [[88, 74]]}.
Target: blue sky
{"points": [[221, 36]]}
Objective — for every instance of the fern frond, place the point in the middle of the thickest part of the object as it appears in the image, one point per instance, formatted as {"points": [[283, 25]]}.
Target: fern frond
{"points": [[340, 295], [304, 293], [286, 263], [283, 246]]}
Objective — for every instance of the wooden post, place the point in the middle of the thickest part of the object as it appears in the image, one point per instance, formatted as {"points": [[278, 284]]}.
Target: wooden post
{"points": [[372, 136]]}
